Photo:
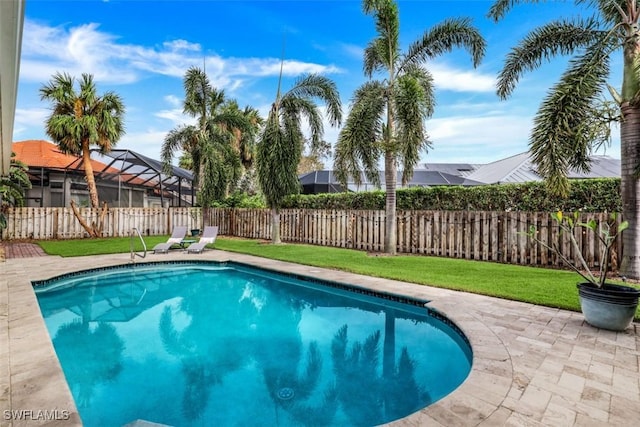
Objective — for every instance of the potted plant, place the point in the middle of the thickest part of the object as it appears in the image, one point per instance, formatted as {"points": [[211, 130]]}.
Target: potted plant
{"points": [[604, 305]]}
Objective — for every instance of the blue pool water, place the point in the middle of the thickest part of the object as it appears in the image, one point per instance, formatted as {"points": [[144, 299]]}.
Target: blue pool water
{"points": [[202, 344]]}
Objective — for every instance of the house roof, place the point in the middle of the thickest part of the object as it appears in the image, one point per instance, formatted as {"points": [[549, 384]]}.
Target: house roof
{"points": [[459, 169], [520, 168], [134, 168], [44, 154], [420, 178]]}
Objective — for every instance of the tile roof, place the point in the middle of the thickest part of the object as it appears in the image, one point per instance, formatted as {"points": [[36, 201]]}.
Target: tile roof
{"points": [[44, 154]]}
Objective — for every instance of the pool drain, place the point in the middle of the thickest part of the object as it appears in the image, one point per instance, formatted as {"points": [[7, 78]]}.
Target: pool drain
{"points": [[286, 393]]}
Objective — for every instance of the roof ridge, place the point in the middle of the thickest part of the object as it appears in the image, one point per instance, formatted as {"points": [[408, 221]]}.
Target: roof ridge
{"points": [[514, 170]]}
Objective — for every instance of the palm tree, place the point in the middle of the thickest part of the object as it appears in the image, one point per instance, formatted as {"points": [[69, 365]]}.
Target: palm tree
{"points": [[244, 140], [211, 345], [211, 143], [13, 187], [81, 120], [387, 116], [374, 398], [569, 123], [244, 143], [293, 381], [282, 140]]}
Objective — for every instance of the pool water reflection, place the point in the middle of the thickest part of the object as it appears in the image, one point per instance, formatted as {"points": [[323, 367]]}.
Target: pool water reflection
{"points": [[227, 344]]}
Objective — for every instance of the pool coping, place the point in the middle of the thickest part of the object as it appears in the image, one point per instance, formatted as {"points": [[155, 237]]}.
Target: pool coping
{"points": [[532, 365]]}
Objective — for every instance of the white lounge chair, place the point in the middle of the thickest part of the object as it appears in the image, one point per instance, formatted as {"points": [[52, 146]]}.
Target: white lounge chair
{"points": [[208, 237], [176, 238]]}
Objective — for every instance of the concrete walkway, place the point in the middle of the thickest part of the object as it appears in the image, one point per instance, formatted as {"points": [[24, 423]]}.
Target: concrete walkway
{"points": [[533, 366]]}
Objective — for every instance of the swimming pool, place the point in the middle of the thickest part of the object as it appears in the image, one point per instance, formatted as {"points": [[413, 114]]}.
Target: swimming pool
{"points": [[205, 343]]}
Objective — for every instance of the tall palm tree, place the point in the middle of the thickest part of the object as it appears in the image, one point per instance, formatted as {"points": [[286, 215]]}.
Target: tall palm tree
{"points": [[210, 143], [282, 141], [387, 116], [81, 120], [569, 123]]}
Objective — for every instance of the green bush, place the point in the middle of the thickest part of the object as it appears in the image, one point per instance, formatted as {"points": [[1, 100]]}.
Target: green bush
{"points": [[588, 195], [240, 199]]}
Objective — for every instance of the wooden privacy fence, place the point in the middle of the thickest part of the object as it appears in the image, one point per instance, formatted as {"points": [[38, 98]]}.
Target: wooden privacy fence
{"points": [[486, 236], [60, 223]]}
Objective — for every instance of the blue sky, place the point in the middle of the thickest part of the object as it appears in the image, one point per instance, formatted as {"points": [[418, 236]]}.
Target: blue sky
{"points": [[142, 48]]}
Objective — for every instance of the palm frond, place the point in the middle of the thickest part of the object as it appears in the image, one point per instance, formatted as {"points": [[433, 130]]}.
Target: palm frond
{"points": [[87, 95], [613, 11], [425, 80], [321, 88], [359, 143], [412, 106], [442, 38], [295, 109], [383, 51], [180, 138], [543, 43], [372, 61], [276, 170], [220, 168], [559, 140], [197, 91], [501, 7], [59, 90]]}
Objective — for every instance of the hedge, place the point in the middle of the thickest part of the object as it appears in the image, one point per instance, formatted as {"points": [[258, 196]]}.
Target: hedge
{"points": [[588, 195]]}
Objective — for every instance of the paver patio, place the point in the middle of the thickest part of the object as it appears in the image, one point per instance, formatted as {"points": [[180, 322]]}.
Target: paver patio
{"points": [[532, 365]]}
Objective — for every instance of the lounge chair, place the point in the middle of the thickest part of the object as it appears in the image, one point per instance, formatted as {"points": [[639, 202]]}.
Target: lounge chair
{"points": [[208, 237], [176, 238]]}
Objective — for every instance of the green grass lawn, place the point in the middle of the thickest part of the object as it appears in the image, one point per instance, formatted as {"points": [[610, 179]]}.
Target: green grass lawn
{"points": [[548, 287]]}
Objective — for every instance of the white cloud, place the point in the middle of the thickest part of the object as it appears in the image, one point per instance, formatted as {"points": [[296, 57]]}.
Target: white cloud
{"points": [[478, 139], [177, 45], [352, 50], [173, 100], [454, 79], [175, 116], [86, 49], [148, 142], [25, 120]]}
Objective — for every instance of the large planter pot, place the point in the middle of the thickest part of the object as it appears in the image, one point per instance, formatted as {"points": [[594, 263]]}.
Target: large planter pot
{"points": [[608, 307]]}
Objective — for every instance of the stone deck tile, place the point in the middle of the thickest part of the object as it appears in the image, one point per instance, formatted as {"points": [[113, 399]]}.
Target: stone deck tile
{"points": [[533, 366]]}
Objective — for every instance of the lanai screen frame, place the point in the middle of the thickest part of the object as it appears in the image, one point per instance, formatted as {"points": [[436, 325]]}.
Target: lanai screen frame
{"points": [[146, 170]]}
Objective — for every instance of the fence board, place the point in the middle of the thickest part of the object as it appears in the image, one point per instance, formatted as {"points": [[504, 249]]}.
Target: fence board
{"points": [[492, 236]]}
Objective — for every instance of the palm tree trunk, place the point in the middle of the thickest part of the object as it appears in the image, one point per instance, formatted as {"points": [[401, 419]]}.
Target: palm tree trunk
{"points": [[88, 171], [275, 226], [630, 161], [390, 181]]}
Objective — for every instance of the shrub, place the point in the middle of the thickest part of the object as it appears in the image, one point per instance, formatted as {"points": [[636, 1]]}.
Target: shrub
{"points": [[587, 195], [239, 199]]}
